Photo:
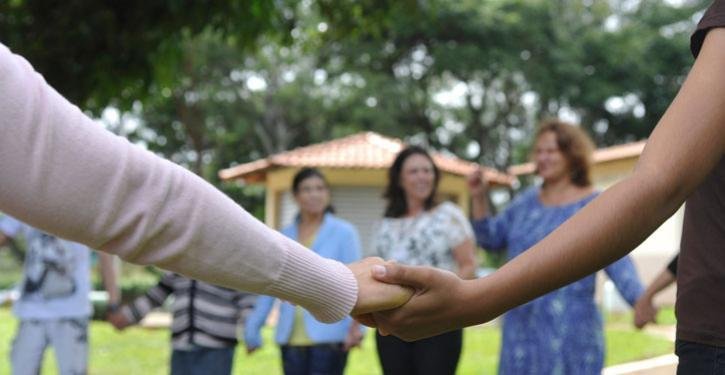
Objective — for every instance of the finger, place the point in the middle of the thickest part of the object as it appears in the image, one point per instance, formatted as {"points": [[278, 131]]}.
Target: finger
{"points": [[392, 273]]}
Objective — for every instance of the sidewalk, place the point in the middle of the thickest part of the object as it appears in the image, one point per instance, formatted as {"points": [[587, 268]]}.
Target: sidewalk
{"points": [[663, 365]]}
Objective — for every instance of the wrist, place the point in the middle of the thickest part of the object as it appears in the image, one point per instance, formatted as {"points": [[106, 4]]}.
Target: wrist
{"points": [[113, 307], [480, 310]]}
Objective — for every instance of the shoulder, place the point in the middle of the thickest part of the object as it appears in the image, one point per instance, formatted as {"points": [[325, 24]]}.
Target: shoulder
{"points": [[713, 17], [449, 208], [341, 224]]}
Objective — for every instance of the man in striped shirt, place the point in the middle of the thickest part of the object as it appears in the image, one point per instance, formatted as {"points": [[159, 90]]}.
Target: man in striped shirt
{"points": [[204, 327]]}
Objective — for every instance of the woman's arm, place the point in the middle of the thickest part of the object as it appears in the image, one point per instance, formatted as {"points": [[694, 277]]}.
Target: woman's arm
{"points": [[255, 321], [465, 256], [66, 175], [684, 148], [625, 277], [478, 187], [109, 277]]}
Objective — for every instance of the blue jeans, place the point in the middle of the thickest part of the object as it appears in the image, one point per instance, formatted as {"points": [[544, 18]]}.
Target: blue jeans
{"points": [[697, 359], [321, 359], [68, 337], [198, 361]]}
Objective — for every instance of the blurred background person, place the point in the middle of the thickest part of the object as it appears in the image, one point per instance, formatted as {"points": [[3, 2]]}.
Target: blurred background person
{"points": [[560, 332], [417, 230], [205, 322], [307, 345], [54, 307]]}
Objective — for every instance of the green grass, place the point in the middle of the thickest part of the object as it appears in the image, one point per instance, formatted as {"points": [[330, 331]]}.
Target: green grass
{"points": [[628, 345], [143, 351], [666, 316], [10, 270]]}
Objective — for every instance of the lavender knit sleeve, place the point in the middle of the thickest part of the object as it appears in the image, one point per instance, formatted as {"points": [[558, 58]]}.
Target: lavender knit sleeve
{"points": [[65, 174]]}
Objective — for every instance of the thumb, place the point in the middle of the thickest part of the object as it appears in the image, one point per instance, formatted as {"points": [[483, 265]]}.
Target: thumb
{"points": [[393, 273]]}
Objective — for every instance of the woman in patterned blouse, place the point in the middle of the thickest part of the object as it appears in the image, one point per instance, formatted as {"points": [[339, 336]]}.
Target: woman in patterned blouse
{"points": [[418, 231], [561, 332]]}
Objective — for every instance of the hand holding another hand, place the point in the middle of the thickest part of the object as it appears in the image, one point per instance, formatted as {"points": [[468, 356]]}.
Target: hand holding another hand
{"points": [[118, 320], [442, 302], [374, 295], [644, 312]]}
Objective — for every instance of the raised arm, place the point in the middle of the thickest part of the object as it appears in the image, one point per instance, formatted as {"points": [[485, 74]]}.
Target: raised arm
{"points": [[684, 148]]}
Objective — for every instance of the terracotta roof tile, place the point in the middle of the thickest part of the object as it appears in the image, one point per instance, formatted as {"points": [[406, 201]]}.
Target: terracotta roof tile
{"points": [[366, 150]]}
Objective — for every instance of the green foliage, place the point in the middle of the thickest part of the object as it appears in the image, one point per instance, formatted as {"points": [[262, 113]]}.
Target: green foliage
{"points": [[11, 270], [572, 55], [220, 83], [98, 52]]}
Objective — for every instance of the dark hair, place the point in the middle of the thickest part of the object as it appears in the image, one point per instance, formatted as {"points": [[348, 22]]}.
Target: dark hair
{"points": [[576, 146], [306, 173], [394, 193]]}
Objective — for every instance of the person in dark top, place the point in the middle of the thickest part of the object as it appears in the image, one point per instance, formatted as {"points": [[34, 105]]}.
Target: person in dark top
{"points": [[644, 309], [683, 161]]}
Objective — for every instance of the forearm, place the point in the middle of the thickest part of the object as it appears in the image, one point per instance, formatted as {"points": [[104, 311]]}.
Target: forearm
{"points": [[465, 257], [479, 206], [66, 175], [467, 271], [109, 276], [662, 281]]}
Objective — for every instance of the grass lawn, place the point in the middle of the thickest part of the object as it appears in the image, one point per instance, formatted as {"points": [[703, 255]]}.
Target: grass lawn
{"points": [[142, 351]]}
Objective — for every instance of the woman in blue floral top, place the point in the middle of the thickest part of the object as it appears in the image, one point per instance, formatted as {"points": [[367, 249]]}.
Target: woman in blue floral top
{"points": [[561, 332]]}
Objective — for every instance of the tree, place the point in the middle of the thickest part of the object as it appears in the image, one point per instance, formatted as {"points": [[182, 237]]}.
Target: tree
{"points": [[98, 53], [615, 65]]}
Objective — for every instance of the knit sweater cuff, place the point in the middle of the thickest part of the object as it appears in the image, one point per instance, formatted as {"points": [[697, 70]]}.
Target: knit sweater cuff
{"points": [[325, 287]]}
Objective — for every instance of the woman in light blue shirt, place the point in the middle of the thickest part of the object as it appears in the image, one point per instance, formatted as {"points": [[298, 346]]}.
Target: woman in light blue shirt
{"points": [[307, 345]]}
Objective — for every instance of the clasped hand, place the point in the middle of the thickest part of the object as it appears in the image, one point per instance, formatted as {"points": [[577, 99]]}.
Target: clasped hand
{"points": [[412, 302]]}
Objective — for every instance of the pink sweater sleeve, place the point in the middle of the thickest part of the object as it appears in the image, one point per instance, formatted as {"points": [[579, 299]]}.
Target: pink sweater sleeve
{"points": [[63, 173]]}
